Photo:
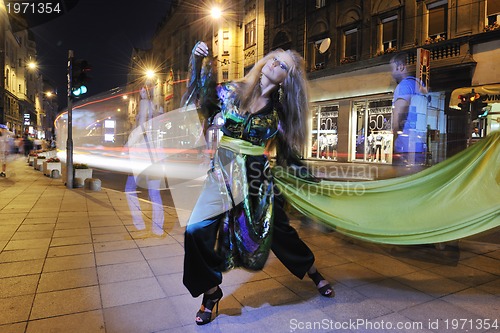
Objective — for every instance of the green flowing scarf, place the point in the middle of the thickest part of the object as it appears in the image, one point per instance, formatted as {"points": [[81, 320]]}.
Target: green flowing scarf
{"points": [[454, 199]]}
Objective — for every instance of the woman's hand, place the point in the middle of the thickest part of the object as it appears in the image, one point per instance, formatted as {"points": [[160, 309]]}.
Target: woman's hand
{"points": [[201, 49]]}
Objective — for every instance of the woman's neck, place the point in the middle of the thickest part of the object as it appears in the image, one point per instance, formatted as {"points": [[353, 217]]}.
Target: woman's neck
{"points": [[259, 104], [267, 87]]}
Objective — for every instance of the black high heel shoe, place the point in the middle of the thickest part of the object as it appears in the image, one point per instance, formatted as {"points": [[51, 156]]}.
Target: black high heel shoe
{"points": [[327, 289], [209, 301]]}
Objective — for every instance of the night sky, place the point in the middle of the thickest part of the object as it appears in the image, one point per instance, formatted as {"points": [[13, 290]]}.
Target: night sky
{"points": [[103, 32]]}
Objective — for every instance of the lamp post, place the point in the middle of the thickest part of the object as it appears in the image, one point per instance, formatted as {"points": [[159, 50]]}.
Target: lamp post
{"points": [[69, 141]]}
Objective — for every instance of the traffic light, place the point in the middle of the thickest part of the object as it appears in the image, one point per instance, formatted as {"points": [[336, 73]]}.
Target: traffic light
{"points": [[472, 102], [464, 102], [80, 78], [477, 106]]}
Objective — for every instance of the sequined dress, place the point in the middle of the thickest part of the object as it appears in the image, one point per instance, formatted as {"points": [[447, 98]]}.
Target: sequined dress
{"points": [[239, 188]]}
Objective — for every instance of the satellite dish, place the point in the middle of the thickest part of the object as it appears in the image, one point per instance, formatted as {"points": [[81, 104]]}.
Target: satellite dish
{"points": [[324, 45]]}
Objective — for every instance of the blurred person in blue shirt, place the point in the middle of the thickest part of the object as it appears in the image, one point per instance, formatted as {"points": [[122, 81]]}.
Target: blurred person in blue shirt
{"points": [[409, 117]]}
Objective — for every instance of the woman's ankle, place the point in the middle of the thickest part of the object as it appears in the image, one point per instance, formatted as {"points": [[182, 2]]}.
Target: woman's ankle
{"points": [[312, 270], [211, 290]]}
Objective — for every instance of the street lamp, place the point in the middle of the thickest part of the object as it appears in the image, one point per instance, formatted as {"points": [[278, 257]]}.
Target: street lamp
{"points": [[216, 12], [150, 74], [32, 65]]}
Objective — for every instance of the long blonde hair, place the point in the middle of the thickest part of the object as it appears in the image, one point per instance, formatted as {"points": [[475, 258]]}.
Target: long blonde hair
{"points": [[294, 100]]}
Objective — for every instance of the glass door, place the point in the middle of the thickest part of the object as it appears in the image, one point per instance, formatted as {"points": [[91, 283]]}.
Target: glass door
{"points": [[325, 132], [359, 137], [372, 128]]}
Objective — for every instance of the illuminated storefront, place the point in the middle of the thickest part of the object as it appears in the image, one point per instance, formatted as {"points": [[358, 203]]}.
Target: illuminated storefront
{"points": [[372, 130], [325, 131], [351, 119]]}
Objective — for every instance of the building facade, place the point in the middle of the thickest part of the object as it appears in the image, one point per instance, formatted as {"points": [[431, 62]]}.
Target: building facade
{"points": [[22, 97], [347, 46]]}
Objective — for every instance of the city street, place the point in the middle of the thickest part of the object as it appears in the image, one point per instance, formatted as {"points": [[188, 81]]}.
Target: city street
{"points": [[74, 261], [200, 135]]}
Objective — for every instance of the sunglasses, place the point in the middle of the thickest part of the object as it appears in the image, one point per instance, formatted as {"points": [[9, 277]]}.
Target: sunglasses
{"points": [[283, 65]]}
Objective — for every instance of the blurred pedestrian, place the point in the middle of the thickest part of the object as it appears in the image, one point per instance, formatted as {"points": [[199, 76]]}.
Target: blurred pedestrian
{"points": [[18, 143], [4, 148], [150, 181], [409, 117], [27, 143], [38, 143]]}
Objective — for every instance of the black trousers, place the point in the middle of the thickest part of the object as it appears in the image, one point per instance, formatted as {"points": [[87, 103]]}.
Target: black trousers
{"points": [[200, 259]]}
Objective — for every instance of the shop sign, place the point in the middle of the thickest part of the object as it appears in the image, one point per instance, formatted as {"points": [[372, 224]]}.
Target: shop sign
{"points": [[423, 66], [492, 98], [27, 119], [328, 118], [379, 119]]}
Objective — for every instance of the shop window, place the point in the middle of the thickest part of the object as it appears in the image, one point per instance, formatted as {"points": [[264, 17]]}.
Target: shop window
{"points": [[373, 131], [390, 33], [320, 3], [438, 20], [324, 132], [250, 33]]}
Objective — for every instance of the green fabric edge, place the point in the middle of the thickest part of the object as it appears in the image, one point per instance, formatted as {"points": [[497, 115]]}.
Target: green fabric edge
{"points": [[451, 200]]}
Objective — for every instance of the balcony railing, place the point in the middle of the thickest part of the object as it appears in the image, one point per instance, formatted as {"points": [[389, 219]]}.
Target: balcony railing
{"points": [[441, 50]]}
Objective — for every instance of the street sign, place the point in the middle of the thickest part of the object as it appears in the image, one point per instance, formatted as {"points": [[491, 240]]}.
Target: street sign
{"points": [[423, 66]]}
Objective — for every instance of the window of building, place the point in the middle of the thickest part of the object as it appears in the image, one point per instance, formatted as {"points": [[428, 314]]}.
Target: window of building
{"points": [[438, 20], [351, 44], [283, 11], [225, 42], [324, 132], [225, 75], [279, 10], [390, 32], [318, 53], [287, 10], [250, 34], [216, 47], [320, 3], [493, 11]]}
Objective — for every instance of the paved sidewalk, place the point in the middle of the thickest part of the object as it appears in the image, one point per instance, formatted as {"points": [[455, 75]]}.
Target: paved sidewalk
{"points": [[73, 261]]}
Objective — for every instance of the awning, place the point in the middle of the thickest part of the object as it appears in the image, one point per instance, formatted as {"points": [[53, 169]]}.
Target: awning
{"points": [[491, 90], [362, 82]]}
